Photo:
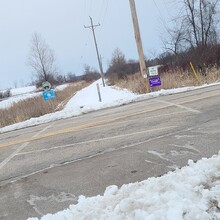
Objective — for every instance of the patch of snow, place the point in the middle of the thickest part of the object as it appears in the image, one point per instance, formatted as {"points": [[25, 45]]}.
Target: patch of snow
{"points": [[19, 91], [190, 193], [61, 87], [6, 103]]}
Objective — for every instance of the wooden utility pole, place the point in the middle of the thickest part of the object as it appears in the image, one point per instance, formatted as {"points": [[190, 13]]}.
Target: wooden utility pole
{"points": [[92, 27], [138, 39]]}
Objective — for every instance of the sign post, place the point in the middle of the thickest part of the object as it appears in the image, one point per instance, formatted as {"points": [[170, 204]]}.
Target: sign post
{"points": [[48, 93], [46, 86], [99, 93]]}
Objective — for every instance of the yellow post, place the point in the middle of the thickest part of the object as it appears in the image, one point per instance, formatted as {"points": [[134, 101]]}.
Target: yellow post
{"points": [[194, 71]]}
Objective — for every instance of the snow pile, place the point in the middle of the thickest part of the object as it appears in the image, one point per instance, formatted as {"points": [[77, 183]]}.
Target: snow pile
{"points": [[19, 91], [190, 193], [88, 99]]}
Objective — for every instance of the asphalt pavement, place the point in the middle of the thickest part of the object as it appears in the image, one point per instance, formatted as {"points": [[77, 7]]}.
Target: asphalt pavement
{"points": [[43, 169]]}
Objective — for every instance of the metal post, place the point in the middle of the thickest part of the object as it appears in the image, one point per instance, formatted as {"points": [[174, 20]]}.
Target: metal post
{"points": [[99, 94]]}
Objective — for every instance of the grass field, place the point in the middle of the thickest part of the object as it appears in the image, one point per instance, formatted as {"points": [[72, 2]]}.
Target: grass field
{"points": [[36, 106], [170, 80]]}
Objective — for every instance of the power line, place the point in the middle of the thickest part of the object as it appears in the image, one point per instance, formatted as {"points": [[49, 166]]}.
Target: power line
{"points": [[85, 8], [101, 9], [103, 19], [83, 51], [105, 12], [168, 11], [90, 8], [161, 17]]}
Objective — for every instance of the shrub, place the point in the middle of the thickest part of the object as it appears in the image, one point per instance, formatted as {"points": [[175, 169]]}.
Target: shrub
{"points": [[5, 94]]}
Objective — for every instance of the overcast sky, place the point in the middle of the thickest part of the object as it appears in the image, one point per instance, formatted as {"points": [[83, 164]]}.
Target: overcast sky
{"points": [[61, 24]]}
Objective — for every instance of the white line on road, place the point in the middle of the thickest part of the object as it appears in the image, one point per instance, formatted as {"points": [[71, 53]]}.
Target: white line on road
{"points": [[42, 131], [95, 155], [4, 162], [19, 149], [97, 140], [179, 106]]}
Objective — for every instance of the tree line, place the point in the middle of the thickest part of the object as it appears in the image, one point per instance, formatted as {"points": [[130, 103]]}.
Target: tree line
{"points": [[194, 35]]}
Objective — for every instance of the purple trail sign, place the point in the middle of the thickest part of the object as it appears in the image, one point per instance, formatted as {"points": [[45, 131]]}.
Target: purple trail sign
{"points": [[155, 81]]}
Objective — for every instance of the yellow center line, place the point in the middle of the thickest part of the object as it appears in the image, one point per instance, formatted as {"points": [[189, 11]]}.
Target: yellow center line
{"points": [[197, 99], [93, 124], [77, 128]]}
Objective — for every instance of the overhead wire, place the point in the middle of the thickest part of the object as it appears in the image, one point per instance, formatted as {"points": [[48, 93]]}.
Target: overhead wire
{"points": [[161, 16], [102, 21], [84, 13], [101, 10], [105, 13], [105, 10], [84, 47], [168, 11], [88, 9], [83, 52]]}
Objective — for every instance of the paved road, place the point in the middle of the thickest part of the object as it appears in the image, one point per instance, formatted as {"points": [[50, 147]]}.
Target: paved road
{"points": [[45, 168]]}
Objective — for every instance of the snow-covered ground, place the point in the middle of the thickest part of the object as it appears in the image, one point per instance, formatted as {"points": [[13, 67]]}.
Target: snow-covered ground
{"points": [[191, 193], [22, 94], [17, 95], [19, 91], [87, 100]]}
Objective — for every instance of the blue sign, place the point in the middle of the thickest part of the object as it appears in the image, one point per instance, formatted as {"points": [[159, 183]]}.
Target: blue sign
{"points": [[155, 81], [48, 95]]}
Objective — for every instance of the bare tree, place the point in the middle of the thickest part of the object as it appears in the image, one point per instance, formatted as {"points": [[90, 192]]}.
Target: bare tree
{"points": [[175, 40], [118, 58], [41, 59], [90, 74], [200, 19], [197, 25]]}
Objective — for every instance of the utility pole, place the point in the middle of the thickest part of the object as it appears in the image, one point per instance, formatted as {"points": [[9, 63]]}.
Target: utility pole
{"points": [[92, 27], [138, 39]]}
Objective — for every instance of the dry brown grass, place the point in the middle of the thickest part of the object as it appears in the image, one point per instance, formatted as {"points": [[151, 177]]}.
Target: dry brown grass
{"points": [[35, 107], [170, 80]]}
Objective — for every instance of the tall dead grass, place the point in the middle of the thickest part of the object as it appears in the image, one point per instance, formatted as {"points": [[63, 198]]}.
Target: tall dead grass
{"points": [[36, 106], [169, 80]]}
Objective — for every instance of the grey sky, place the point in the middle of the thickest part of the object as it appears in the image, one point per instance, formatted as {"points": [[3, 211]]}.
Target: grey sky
{"points": [[61, 24]]}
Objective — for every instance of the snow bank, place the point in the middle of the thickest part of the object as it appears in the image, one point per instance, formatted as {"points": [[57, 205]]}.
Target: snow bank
{"points": [[87, 99], [19, 91], [190, 193]]}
